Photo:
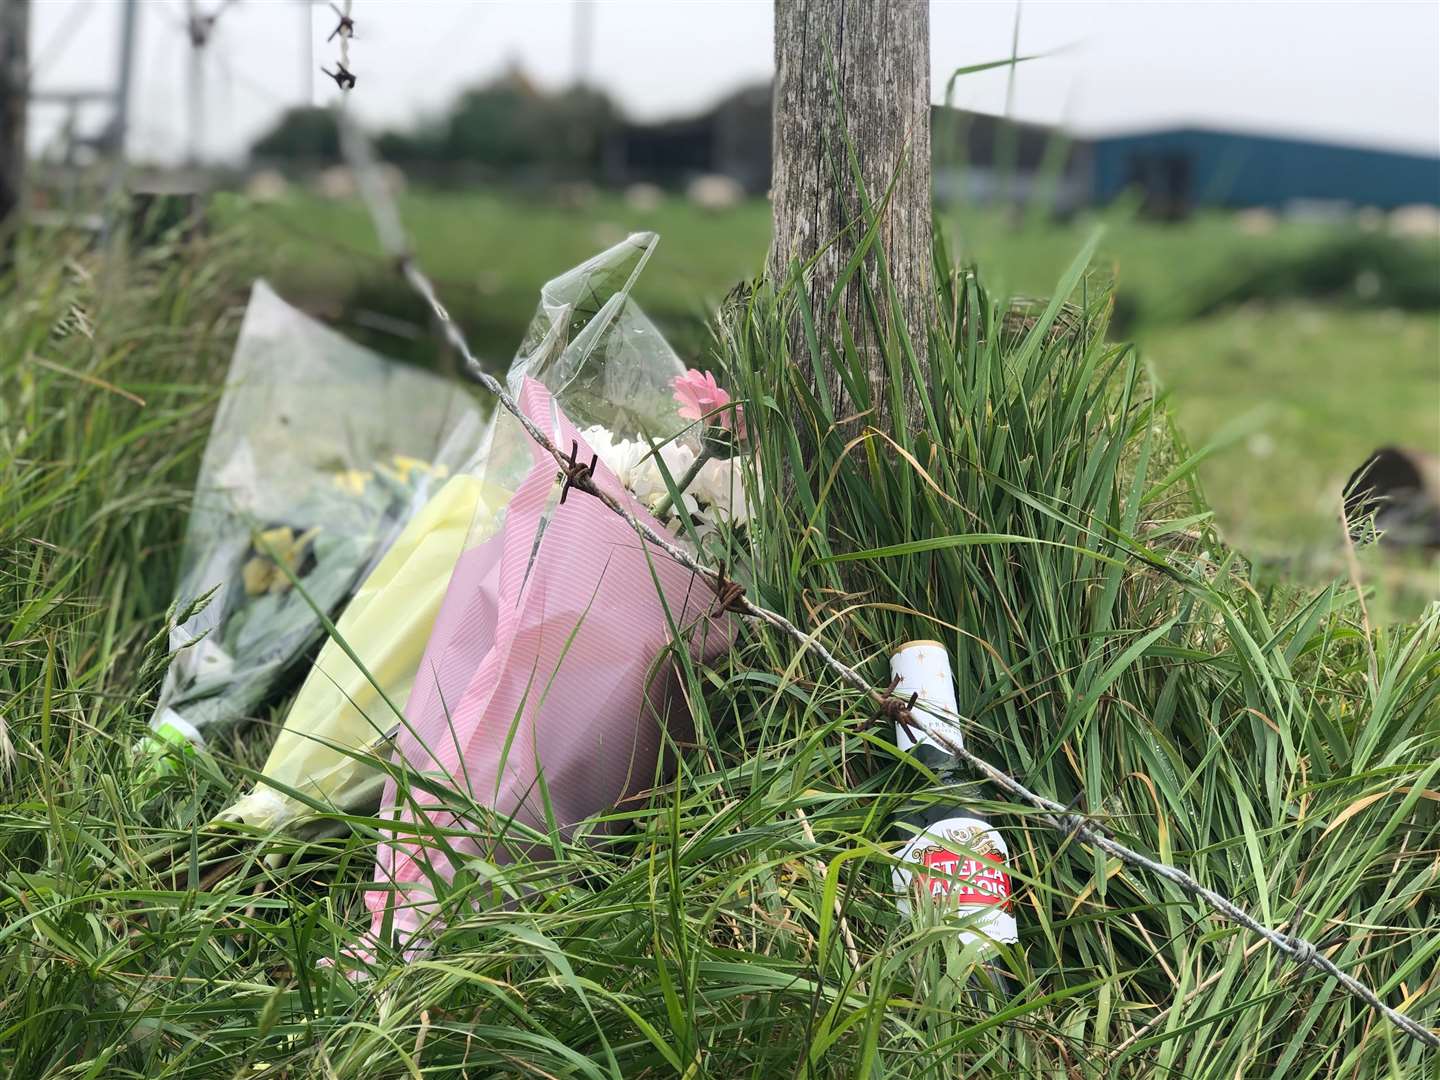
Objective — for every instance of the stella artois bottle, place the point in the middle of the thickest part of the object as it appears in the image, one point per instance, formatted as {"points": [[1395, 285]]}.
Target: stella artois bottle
{"points": [[952, 857]]}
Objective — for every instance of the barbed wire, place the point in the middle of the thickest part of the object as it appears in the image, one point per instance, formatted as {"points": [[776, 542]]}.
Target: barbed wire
{"points": [[578, 476], [344, 30]]}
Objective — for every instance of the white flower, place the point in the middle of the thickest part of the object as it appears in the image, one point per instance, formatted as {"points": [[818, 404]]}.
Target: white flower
{"points": [[697, 516], [624, 457], [717, 494], [264, 809], [721, 484], [634, 464], [649, 485]]}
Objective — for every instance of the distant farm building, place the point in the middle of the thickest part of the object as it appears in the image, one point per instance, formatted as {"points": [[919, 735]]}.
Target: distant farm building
{"points": [[731, 139], [983, 159], [1175, 171], [986, 159]]}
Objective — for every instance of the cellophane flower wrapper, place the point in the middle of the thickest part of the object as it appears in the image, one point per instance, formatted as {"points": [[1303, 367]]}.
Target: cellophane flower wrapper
{"points": [[339, 727], [548, 692], [319, 453]]}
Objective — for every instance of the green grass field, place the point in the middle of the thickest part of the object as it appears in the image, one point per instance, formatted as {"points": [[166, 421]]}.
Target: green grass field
{"points": [[1299, 391], [1296, 392], [1298, 395]]}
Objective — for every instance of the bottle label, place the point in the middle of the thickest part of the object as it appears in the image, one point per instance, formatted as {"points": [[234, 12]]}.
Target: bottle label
{"points": [[961, 879], [959, 863]]}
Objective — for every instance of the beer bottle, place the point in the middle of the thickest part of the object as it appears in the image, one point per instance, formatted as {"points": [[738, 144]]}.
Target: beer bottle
{"points": [[952, 858]]}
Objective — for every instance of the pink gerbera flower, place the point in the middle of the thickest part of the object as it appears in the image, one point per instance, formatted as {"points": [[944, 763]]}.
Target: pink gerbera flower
{"points": [[699, 396]]}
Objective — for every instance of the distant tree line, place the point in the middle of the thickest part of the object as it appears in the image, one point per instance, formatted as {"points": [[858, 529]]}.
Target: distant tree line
{"points": [[507, 126]]}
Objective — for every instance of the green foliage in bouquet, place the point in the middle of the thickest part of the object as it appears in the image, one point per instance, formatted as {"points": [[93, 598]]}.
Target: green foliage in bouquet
{"points": [[335, 536], [319, 453]]}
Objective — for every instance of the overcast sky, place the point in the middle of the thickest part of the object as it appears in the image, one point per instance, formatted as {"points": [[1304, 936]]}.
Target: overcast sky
{"points": [[1361, 72]]}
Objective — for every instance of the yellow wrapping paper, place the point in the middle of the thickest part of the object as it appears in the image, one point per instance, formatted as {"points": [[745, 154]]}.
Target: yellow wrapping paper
{"points": [[387, 624]]}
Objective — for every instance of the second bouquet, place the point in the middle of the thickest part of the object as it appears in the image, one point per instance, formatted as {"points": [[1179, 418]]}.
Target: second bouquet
{"points": [[549, 690]]}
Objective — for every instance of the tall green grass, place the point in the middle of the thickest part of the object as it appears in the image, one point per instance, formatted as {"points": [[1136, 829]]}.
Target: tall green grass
{"points": [[1267, 340], [1039, 518]]}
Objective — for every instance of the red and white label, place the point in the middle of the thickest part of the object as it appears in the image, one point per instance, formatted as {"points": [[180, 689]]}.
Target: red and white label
{"points": [[958, 865], [960, 879]]}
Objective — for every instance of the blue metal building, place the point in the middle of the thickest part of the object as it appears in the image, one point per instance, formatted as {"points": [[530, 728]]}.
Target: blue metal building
{"points": [[1178, 170]]}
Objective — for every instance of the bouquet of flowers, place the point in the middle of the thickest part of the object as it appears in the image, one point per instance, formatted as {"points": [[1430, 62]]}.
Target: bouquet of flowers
{"points": [[340, 724], [319, 453], [548, 691], [710, 478]]}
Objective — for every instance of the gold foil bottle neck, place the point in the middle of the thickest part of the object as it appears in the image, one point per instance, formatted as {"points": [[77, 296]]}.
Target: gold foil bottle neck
{"points": [[917, 644]]}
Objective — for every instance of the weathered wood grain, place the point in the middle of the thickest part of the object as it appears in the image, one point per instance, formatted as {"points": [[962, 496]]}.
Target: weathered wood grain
{"points": [[877, 53]]}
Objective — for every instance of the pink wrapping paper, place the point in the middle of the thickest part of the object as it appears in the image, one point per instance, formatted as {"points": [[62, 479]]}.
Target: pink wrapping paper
{"points": [[549, 665]]}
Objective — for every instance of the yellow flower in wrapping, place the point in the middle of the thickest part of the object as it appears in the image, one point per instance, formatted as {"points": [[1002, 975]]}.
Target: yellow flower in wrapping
{"points": [[407, 465], [337, 722], [353, 481], [263, 572]]}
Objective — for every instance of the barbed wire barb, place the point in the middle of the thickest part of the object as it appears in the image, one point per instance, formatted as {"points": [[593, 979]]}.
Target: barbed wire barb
{"points": [[391, 234], [344, 30]]}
